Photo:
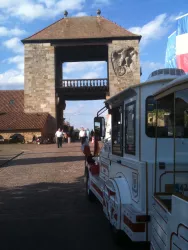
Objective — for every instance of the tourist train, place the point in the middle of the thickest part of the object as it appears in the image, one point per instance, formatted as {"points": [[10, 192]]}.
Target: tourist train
{"points": [[140, 175]]}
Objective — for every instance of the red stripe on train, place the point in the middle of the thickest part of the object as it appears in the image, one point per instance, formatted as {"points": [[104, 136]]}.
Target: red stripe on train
{"points": [[135, 227], [97, 189]]}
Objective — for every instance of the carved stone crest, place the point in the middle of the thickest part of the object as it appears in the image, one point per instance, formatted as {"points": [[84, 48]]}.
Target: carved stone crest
{"points": [[124, 61]]}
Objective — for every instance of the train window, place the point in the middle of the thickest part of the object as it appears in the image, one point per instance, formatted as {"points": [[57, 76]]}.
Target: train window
{"points": [[117, 146], [165, 117], [181, 113], [130, 128]]}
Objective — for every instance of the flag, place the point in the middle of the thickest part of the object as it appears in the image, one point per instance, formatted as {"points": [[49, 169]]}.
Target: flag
{"points": [[182, 43], [170, 58]]}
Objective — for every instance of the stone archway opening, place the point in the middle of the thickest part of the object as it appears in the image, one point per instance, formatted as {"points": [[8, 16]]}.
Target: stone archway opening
{"points": [[85, 85], [81, 74], [81, 113], [82, 109]]}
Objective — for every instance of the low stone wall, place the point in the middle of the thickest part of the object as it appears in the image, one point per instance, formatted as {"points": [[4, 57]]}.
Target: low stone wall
{"points": [[27, 135]]}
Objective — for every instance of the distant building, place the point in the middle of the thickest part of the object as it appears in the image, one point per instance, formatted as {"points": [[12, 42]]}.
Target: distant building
{"points": [[13, 119]]}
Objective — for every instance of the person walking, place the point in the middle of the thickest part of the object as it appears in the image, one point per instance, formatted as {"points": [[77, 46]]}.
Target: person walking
{"points": [[82, 135], [59, 136]]}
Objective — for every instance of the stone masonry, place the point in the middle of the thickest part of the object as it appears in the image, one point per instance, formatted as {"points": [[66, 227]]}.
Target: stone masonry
{"points": [[27, 135], [118, 83], [39, 85]]}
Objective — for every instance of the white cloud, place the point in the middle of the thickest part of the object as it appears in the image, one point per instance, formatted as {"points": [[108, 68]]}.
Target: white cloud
{"points": [[2, 18], [85, 70], [148, 67], [91, 75], [154, 29], [4, 31], [151, 65], [48, 3], [82, 66], [69, 5], [14, 44], [12, 78], [29, 10], [15, 59], [18, 60], [81, 14], [10, 3]]}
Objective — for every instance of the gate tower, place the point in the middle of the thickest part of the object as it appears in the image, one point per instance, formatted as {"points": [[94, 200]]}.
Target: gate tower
{"points": [[77, 39]]}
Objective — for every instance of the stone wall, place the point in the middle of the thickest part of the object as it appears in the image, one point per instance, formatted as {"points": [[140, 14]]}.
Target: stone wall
{"points": [[39, 82], [48, 131], [49, 128], [123, 65], [27, 134]]}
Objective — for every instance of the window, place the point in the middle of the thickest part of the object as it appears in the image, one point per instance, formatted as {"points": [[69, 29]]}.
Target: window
{"points": [[117, 148], [165, 116], [130, 128], [11, 102], [181, 113]]}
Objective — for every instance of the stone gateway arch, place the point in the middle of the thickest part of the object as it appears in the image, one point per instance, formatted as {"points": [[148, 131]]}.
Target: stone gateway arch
{"points": [[77, 39]]}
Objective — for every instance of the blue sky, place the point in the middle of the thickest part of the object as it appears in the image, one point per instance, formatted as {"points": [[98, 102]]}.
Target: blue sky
{"points": [[153, 19]]}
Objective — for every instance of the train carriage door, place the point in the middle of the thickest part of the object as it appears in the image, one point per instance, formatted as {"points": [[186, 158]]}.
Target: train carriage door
{"points": [[159, 125], [181, 142]]}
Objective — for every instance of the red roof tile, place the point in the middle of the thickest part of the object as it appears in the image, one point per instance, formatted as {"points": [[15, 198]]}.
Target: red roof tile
{"points": [[12, 116], [87, 27], [11, 101], [20, 120]]}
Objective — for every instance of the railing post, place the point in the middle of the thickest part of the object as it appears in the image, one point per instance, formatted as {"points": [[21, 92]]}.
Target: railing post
{"points": [[86, 83]]}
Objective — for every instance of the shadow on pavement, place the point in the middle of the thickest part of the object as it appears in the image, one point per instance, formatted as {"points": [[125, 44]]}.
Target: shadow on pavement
{"points": [[38, 160], [52, 216]]}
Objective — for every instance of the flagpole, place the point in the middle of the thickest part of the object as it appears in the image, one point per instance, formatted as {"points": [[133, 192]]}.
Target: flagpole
{"points": [[181, 16]]}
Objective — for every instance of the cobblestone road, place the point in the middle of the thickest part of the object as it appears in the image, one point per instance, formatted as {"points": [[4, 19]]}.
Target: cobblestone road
{"points": [[43, 204]]}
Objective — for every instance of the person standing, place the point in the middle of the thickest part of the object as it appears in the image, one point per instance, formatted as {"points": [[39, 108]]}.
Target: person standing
{"points": [[59, 136], [82, 135]]}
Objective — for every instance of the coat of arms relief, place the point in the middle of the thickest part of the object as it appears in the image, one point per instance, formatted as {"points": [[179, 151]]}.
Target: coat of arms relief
{"points": [[124, 61]]}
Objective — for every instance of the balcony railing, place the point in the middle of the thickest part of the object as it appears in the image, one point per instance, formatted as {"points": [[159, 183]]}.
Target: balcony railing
{"points": [[85, 83]]}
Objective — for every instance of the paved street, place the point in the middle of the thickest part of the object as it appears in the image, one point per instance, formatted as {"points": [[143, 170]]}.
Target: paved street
{"points": [[43, 204]]}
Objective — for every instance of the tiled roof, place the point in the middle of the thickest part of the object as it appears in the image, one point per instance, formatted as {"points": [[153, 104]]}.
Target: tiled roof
{"points": [[22, 121], [12, 116], [11, 101], [87, 27]]}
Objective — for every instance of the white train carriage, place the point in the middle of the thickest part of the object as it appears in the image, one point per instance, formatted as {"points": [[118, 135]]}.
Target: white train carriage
{"points": [[141, 174]]}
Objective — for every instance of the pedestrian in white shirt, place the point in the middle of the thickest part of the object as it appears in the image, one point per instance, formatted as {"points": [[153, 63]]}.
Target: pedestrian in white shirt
{"points": [[82, 135], [59, 136]]}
